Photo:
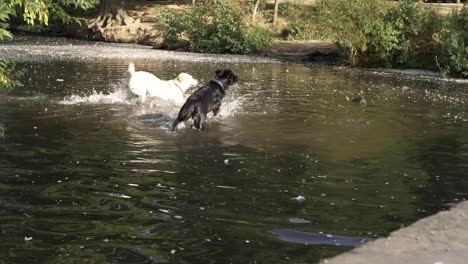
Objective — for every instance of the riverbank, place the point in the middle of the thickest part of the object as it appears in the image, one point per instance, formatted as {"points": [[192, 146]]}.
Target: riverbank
{"points": [[438, 239], [33, 47], [141, 27]]}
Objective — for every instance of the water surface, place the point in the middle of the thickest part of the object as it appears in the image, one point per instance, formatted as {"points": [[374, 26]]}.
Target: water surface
{"points": [[90, 175]]}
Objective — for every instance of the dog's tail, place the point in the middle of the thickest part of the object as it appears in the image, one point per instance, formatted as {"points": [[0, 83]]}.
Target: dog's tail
{"points": [[131, 68], [185, 112]]}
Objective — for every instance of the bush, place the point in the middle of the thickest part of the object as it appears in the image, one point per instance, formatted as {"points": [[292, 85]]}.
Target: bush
{"points": [[403, 34], [214, 28], [302, 21], [453, 54], [360, 29], [8, 75]]}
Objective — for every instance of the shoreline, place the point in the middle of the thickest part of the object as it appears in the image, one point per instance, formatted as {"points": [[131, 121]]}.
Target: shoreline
{"points": [[26, 47], [438, 239]]}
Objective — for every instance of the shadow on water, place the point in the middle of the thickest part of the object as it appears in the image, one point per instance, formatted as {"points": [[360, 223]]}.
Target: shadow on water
{"points": [[88, 173]]}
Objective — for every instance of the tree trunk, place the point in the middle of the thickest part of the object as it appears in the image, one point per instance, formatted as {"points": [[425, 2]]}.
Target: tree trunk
{"points": [[275, 12], [113, 13], [255, 10], [112, 16]]}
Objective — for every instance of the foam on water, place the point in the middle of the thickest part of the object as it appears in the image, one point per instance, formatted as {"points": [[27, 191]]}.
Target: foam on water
{"points": [[119, 96], [153, 110]]}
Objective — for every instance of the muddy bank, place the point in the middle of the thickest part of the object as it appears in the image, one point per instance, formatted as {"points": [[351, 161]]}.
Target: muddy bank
{"points": [[438, 239]]}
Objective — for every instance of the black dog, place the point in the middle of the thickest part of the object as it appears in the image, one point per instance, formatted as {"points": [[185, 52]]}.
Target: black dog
{"points": [[206, 99]]}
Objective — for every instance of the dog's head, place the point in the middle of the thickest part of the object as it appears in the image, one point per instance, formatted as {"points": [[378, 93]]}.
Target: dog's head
{"points": [[186, 80], [226, 76]]}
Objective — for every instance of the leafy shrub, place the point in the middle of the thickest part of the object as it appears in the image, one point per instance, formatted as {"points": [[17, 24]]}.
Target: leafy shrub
{"points": [[360, 29], [403, 34], [416, 30], [8, 74], [302, 21], [214, 28], [453, 54]]}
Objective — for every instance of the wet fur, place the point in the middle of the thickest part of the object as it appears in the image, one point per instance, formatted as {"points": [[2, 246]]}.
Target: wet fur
{"points": [[206, 99], [145, 84]]}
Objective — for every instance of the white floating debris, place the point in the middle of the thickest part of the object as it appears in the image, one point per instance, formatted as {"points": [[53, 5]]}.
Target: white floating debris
{"points": [[173, 252], [164, 211], [247, 242], [118, 195], [299, 198], [177, 217], [226, 161], [133, 184], [60, 80], [27, 238], [226, 187]]}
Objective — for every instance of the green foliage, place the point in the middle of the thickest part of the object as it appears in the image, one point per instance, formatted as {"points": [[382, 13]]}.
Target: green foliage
{"points": [[360, 29], [8, 75], [403, 34], [32, 12], [216, 28], [302, 24], [453, 55], [4, 17], [416, 29]]}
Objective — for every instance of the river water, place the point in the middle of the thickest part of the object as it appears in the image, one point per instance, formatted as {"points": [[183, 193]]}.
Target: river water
{"points": [[291, 171]]}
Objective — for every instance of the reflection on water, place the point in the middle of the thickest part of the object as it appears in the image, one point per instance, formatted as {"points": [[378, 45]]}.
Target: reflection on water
{"points": [[88, 174], [318, 239]]}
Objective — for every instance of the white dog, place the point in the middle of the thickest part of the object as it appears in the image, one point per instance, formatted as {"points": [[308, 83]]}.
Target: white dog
{"points": [[145, 84]]}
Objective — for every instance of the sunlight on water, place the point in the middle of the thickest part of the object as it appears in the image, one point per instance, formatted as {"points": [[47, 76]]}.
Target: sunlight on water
{"points": [[292, 170]]}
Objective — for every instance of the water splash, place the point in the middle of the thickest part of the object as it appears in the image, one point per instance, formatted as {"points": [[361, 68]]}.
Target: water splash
{"points": [[154, 111], [119, 96]]}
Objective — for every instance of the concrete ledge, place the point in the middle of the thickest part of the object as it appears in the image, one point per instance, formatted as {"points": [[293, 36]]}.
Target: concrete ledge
{"points": [[438, 239]]}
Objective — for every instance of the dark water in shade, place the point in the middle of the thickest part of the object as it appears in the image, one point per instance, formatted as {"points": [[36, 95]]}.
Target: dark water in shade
{"points": [[88, 175]]}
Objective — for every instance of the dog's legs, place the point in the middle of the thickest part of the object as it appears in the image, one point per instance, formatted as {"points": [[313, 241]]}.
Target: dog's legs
{"points": [[216, 110], [202, 120], [175, 124], [196, 121]]}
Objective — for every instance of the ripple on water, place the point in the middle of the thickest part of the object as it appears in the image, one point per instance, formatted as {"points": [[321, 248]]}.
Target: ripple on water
{"points": [[90, 173]]}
